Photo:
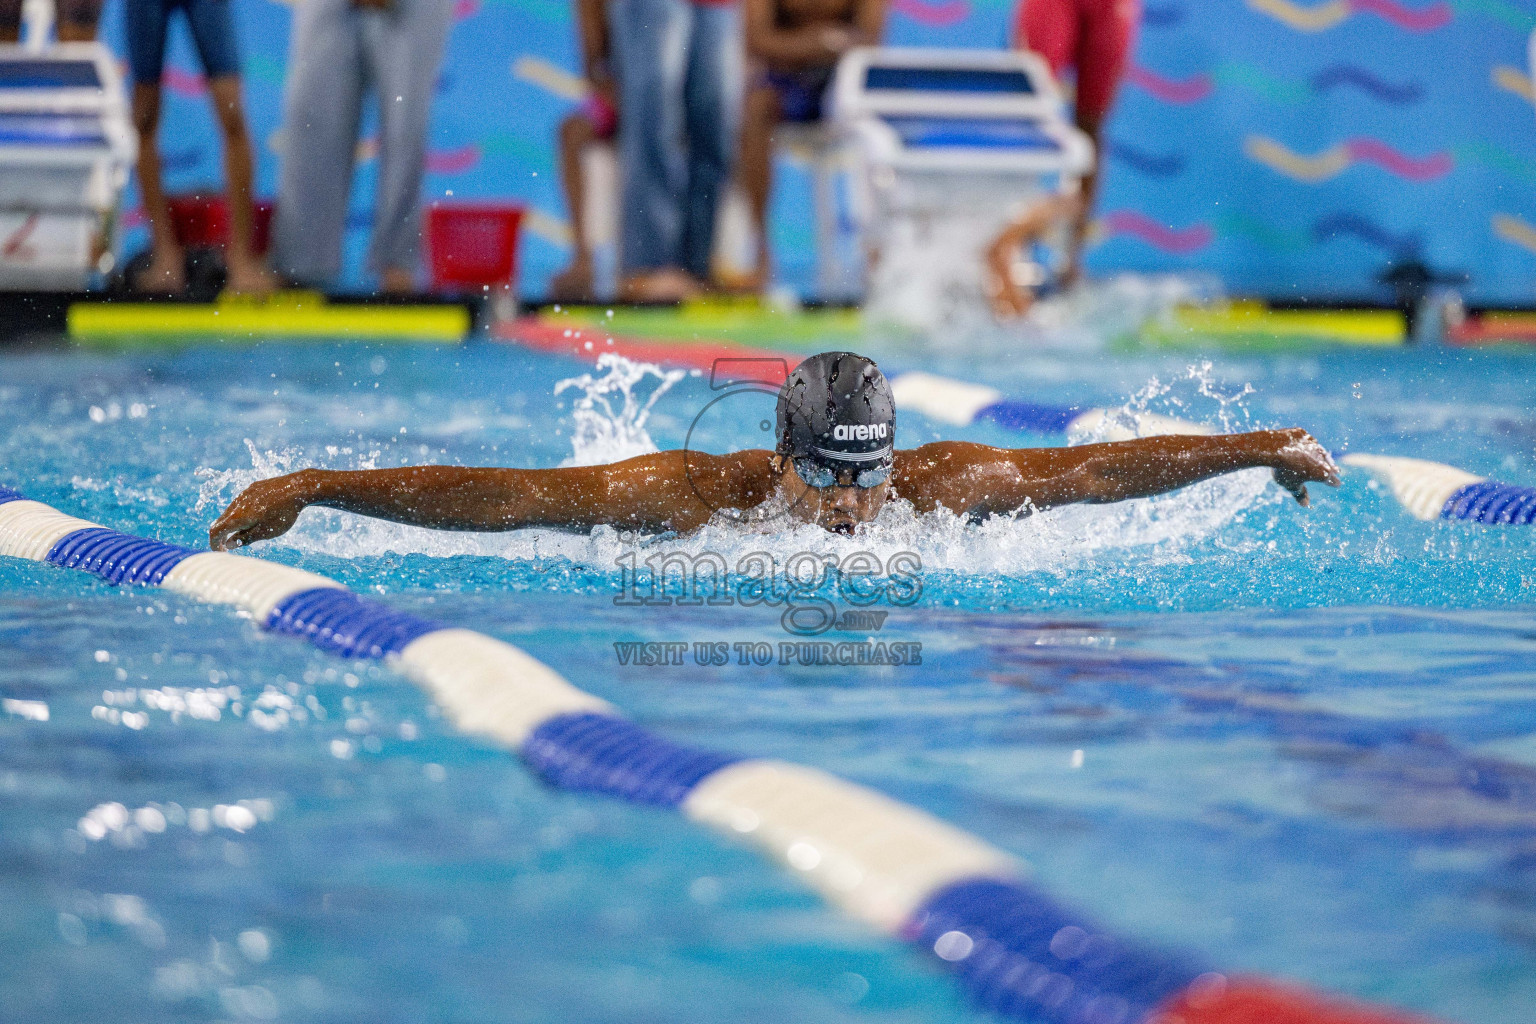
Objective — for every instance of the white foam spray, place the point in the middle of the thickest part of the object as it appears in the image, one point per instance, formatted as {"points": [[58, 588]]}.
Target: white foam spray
{"points": [[612, 409]]}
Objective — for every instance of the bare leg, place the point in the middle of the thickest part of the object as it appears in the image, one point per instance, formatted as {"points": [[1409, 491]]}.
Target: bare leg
{"points": [[246, 272], [1072, 272], [167, 272], [760, 116], [574, 283], [397, 281]]}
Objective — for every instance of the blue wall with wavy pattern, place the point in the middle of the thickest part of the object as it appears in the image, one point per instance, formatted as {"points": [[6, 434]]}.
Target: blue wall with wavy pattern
{"points": [[1290, 147]]}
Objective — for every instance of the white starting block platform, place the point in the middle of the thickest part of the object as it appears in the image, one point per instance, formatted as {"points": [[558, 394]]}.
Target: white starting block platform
{"points": [[948, 146], [66, 144]]}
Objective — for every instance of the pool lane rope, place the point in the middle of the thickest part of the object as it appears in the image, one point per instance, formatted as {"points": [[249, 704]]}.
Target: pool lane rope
{"points": [[1016, 949], [1428, 490]]}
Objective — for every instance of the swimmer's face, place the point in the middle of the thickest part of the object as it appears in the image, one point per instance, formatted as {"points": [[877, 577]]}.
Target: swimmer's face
{"points": [[839, 508]]}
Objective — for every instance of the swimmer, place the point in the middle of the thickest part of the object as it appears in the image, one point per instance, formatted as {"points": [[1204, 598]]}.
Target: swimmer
{"points": [[834, 464], [1094, 39], [1010, 278]]}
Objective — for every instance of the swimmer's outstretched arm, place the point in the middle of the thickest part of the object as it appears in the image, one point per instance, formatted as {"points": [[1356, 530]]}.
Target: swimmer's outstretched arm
{"points": [[977, 480], [667, 490]]}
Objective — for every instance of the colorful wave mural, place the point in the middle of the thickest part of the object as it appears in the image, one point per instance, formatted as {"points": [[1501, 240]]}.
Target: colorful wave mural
{"points": [[1268, 237], [1288, 146], [1340, 158], [1515, 231], [1158, 165], [1194, 88], [1179, 241], [1324, 16], [1170, 90], [1516, 81], [940, 14]]}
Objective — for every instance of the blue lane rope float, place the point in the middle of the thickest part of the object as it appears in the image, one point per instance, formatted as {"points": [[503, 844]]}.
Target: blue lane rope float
{"points": [[602, 754], [1489, 501], [1433, 490], [1016, 950], [342, 623]]}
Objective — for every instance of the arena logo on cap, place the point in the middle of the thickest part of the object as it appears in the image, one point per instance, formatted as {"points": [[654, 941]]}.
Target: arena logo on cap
{"points": [[861, 431]]}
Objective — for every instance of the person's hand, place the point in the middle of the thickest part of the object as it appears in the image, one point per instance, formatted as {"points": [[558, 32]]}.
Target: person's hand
{"points": [[1009, 301], [266, 509], [1298, 458]]}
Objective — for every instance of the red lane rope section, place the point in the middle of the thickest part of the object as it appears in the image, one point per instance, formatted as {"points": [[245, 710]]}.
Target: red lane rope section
{"points": [[588, 343], [1254, 1001]]}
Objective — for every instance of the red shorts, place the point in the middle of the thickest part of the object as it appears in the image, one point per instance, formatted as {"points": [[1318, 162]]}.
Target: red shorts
{"points": [[604, 119], [1092, 36]]}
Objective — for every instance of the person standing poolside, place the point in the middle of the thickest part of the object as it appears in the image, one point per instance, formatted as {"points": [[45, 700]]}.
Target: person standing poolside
{"points": [[341, 49], [213, 33], [1093, 38], [596, 120], [797, 44], [834, 464], [77, 20], [678, 64]]}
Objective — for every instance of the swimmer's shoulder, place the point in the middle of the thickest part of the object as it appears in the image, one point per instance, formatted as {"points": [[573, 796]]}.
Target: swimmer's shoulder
{"points": [[959, 475]]}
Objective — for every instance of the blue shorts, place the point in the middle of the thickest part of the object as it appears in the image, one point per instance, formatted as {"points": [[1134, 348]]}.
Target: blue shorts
{"points": [[800, 92], [213, 33]]}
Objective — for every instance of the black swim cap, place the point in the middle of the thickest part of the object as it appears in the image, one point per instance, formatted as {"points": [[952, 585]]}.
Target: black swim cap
{"points": [[836, 408]]}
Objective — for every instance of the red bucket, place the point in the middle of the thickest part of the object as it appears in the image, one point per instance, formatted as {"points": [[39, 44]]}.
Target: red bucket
{"points": [[202, 220], [471, 246]]}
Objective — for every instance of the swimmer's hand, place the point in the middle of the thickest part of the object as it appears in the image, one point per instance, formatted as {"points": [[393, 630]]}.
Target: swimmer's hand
{"points": [[266, 509], [1298, 458]]}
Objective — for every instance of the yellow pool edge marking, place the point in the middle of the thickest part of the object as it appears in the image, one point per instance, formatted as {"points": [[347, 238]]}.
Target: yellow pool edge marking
{"points": [[130, 322], [1371, 327]]}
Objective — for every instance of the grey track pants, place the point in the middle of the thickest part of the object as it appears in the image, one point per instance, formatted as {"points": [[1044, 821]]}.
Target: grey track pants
{"points": [[339, 53]]}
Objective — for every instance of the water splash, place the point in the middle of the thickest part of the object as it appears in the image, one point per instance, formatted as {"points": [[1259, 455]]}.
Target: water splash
{"points": [[947, 308], [1196, 397], [1106, 311], [604, 433]]}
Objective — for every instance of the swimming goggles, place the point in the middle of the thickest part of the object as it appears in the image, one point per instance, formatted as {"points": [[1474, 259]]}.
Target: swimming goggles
{"points": [[819, 475]]}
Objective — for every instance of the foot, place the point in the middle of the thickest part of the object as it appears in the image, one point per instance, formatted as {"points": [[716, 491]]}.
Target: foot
{"points": [[1071, 275], [396, 281], [247, 277], [573, 284], [666, 285], [754, 281], [166, 273]]}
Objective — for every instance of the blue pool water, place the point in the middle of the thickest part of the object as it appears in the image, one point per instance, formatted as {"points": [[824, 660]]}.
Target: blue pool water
{"points": [[1299, 742]]}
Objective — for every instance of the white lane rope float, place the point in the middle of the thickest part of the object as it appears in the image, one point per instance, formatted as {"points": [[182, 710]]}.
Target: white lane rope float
{"points": [[962, 403], [1015, 948], [1428, 490]]}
